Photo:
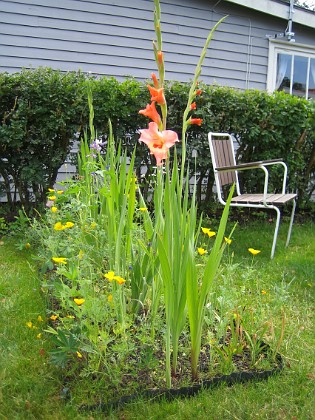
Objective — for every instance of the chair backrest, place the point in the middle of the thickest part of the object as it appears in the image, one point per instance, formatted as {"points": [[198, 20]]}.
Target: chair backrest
{"points": [[222, 155]]}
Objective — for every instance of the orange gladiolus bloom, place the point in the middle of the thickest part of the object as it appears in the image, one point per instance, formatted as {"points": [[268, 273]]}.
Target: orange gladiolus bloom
{"points": [[151, 112], [197, 121], [157, 95], [158, 141]]}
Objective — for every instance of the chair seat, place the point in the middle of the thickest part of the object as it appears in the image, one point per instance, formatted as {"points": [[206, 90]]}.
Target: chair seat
{"points": [[276, 199]]}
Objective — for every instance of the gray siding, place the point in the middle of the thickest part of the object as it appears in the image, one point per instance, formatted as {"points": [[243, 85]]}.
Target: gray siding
{"points": [[114, 38]]}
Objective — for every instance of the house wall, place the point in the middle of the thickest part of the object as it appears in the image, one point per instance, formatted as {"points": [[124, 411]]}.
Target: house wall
{"points": [[114, 38]]}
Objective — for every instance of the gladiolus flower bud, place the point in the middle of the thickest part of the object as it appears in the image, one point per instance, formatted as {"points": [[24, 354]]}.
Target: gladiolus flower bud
{"points": [[160, 57], [155, 80], [197, 121]]}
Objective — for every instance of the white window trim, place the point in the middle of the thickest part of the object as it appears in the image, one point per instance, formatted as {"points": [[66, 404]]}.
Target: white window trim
{"points": [[290, 48]]}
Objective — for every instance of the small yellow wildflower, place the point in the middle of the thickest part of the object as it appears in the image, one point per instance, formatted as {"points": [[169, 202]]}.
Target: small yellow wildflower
{"points": [[52, 197], [110, 298], [253, 251], [69, 225], [79, 301], [110, 275], [263, 292], [39, 335], [93, 225], [59, 260], [70, 316], [59, 192], [202, 251], [54, 317], [40, 319], [29, 324], [59, 226], [208, 232], [27, 245], [119, 280], [79, 355], [143, 209], [228, 240], [54, 209], [51, 190]]}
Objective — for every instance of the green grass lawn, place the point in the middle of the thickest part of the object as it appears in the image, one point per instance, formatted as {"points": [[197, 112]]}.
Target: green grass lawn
{"points": [[30, 388]]}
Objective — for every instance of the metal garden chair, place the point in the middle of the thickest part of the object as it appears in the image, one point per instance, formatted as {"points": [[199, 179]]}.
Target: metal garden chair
{"points": [[226, 172]]}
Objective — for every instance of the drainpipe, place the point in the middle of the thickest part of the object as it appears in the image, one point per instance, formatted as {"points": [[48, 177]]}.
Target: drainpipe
{"points": [[288, 33]]}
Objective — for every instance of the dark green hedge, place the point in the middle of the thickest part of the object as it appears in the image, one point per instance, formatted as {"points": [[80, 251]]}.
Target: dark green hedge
{"points": [[42, 109]]}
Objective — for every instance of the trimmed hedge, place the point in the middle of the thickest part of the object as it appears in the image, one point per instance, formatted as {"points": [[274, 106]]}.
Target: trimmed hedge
{"points": [[42, 109]]}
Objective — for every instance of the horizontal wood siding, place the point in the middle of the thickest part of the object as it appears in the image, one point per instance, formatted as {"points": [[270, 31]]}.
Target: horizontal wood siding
{"points": [[114, 38]]}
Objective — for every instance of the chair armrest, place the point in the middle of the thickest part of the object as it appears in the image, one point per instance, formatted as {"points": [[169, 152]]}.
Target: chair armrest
{"points": [[250, 165], [260, 165]]}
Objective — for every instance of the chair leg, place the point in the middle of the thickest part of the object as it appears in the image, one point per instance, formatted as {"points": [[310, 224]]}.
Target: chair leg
{"points": [[275, 236], [291, 223]]}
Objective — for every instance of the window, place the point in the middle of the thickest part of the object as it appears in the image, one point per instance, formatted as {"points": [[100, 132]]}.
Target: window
{"points": [[291, 69]]}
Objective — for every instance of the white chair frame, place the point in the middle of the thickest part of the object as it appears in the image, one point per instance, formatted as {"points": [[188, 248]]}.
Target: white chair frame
{"points": [[226, 172]]}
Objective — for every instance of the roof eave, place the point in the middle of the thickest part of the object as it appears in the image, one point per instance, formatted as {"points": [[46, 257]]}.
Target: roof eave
{"points": [[302, 16]]}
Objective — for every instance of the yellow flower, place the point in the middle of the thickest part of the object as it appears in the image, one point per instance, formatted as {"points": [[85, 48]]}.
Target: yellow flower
{"points": [[110, 298], [29, 324], [59, 192], [59, 226], [69, 225], [40, 319], [39, 335], [93, 225], [110, 275], [70, 316], [143, 209], [79, 355], [27, 245], [263, 292], [119, 280], [228, 240], [54, 209], [79, 301], [54, 317], [253, 251], [202, 251], [59, 260], [51, 190], [208, 232], [52, 197]]}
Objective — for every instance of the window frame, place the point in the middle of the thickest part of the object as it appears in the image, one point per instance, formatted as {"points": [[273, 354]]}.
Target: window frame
{"points": [[284, 47]]}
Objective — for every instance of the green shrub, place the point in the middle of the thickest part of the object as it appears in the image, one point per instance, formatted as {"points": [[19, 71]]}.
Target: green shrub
{"points": [[40, 112], [42, 109]]}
